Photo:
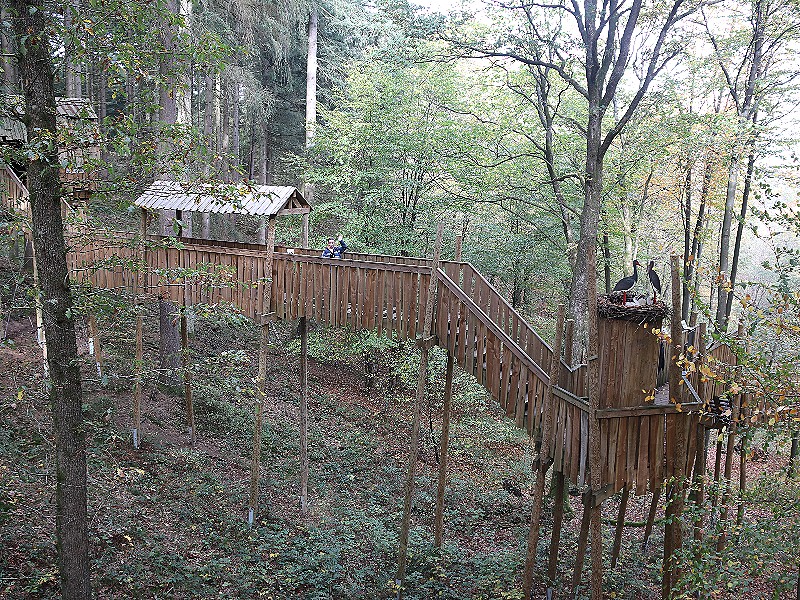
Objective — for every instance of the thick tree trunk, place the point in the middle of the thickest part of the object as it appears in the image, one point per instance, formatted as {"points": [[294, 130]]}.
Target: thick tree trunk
{"points": [[65, 393]]}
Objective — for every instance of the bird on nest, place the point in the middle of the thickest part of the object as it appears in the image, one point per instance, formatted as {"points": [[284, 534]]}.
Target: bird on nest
{"points": [[626, 284]]}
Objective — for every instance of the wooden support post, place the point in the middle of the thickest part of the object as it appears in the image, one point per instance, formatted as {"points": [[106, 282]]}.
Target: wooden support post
{"points": [[544, 459], [555, 538], [261, 382], [438, 521], [303, 416], [137, 386], [95, 348], [187, 377], [444, 443], [305, 230], [623, 507], [422, 378], [583, 538], [141, 279], [651, 517]]}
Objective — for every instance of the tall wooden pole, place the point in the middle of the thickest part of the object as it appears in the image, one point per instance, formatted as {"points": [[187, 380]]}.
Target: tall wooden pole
{"points": [[555, 538], [583, 537], [425, 342], [438, 520], [623, 507], [137, 386], [303, 416], [305, 231], [187, 377], [544, 459], [261, 383]]}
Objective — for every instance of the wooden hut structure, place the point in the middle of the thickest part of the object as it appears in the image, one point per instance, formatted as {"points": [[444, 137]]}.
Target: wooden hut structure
{"points": [[78, 136], [184, 198]]}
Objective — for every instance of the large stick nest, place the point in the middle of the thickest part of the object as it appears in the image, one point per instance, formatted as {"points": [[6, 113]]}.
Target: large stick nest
{"points": [[637, 308]]}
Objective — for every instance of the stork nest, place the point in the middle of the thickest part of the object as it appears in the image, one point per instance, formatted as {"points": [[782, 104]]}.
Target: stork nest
{"points": [[611, 307]]}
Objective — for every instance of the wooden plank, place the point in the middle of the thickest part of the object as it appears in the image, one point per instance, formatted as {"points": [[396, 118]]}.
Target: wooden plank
{"points": [[670, 445], [630, 453], [319, 292], [659, 449], [622, 449], [642, 469], [512, 382]]}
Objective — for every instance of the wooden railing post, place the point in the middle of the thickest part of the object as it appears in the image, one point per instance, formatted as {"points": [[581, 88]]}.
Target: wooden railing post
{"points": [[261, 383], [303, 416], [544, 460], [137, 386], [438, 519], [425, 342]]}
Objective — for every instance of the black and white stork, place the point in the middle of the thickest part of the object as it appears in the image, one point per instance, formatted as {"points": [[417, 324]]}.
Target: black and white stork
{"points": [[654, 280], [626, 284]]}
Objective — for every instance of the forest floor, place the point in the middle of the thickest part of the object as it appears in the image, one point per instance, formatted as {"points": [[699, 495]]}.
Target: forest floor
{"points": [[169, 520]]}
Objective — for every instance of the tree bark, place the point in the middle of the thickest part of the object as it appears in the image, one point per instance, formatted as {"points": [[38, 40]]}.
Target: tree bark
{"points": [[64, 389]]}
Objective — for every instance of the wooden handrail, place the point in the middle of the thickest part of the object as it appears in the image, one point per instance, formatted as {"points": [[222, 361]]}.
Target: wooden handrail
{"points": [[492, 326]]}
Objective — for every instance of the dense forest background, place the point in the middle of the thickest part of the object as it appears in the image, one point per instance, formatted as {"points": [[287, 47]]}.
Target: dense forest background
{"points": [[558, 155]]}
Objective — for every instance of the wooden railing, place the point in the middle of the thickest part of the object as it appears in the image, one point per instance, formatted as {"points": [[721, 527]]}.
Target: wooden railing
{"points": [[487, 337]]}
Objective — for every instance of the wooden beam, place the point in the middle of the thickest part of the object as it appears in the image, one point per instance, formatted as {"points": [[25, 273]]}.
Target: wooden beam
{"points": [[303, 416], [545, 457], [137, 386], [187, 377], [261, 382], [422, 379]]}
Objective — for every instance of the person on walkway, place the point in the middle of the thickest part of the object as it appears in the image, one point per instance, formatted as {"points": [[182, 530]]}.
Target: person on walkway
{"points": [[334, 249]]}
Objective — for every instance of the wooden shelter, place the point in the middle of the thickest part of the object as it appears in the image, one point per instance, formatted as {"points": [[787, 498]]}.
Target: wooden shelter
{"points": [[268, 201], [78, 137]]}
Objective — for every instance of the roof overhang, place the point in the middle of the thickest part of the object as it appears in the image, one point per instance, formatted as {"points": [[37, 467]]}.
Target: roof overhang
{"points": [[240, 198]]}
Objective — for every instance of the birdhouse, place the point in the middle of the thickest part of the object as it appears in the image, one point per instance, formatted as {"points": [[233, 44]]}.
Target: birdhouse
{"points": [[628, 347]]}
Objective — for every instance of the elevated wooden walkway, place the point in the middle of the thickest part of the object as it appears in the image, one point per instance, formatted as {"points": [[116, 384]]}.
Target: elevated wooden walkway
{"points": [[387, 294]]}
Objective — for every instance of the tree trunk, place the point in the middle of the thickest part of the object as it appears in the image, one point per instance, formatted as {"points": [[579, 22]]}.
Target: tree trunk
{"points": [[234, 154], [8, 45], [692, 261], [737, 244], [72, 74], [72, 543], [311, 92]]}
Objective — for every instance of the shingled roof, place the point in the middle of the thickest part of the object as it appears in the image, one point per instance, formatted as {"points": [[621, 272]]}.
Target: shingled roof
{"points": [[12, 108], [256, 200]]}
